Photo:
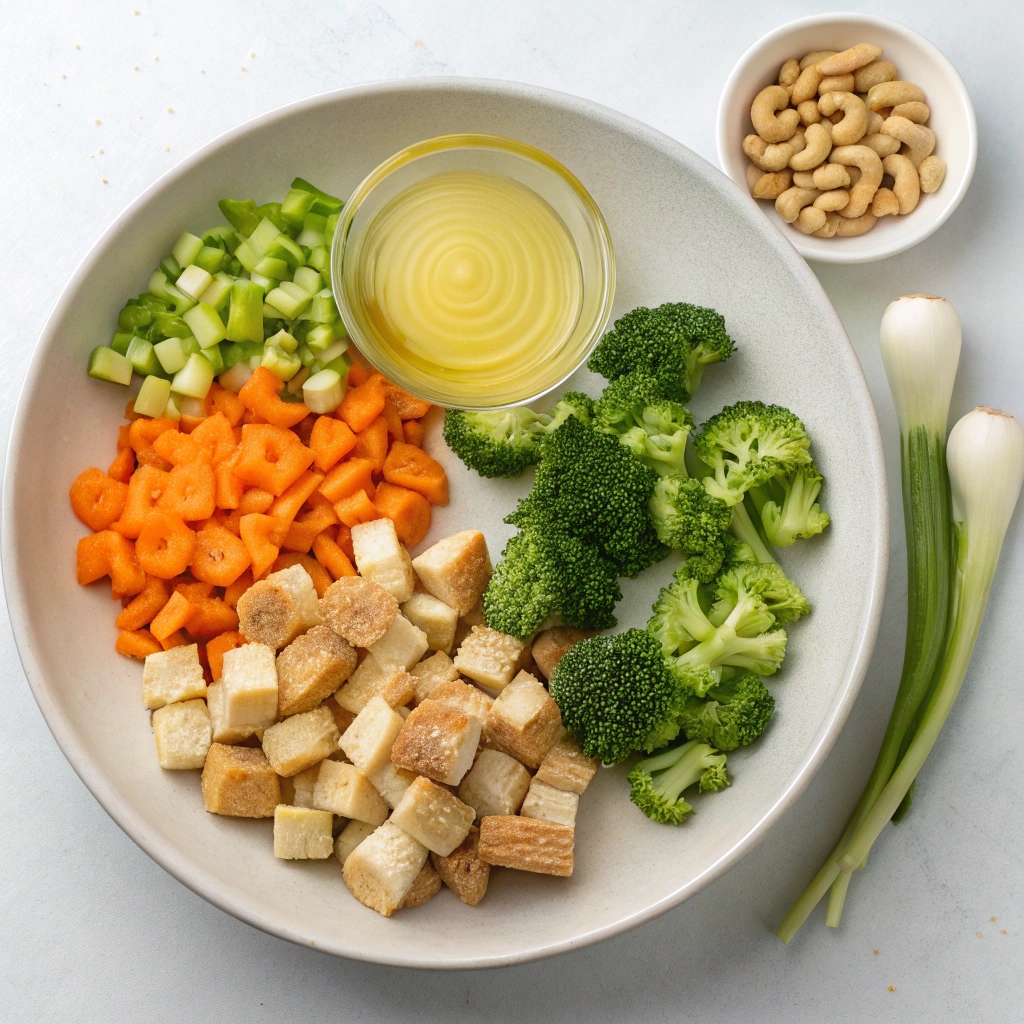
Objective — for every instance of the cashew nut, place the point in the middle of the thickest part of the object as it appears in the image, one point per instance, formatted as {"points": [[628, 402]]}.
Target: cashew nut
{"points": [[875, 122], [789, 72], [849, 60], [875, 73], [915, 111], [832, 222], [806, 86], [754, 175], [771, 186], [818, 141], [870, 166], [805, 179], [907, 185], [835, 83], [831, 176], [885, 203], [861, 225], [810, 220], [834, 199], [793, 200], [854, 173], [884, 145], [888, 94], [814, 56], [855, 116], [770, 126], [919, 140], [932, 171], [809, 113]]}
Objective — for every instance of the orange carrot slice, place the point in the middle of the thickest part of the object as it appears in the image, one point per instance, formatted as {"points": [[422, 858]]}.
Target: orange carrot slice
{"points": [[408, 510], [215, 436], [220, 557], [287, 507], [260, 393], [190, 493], [175, 639], [210, 617], [394, 421], [409, 466], [271, 457], [308, 524], [165, 545], [262, 536], [372, 443], [109, 554], [177, 448], [238, 588], [141, 610], [355, 509], [218, 647], [98, 499], [138, 643], [348, 477], [229, 489], [143, 432], [123, 466], [226, 402], [173, 616], [330, 440], [363, 404], [414, 431], [331, 557], [408, 406]]}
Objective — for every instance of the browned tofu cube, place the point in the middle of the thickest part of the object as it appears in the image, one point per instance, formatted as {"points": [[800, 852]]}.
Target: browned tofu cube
{"points": [[370, 680], [524, 720], [437, 741], [434, 816], [426, 886], [566, 767], [278, 608], [496, 784], [239, 781], [456, 570], [343, 718], [490, 658], [301, 741], [381, 870], [527, 844], [359, 610], [463, 871], [311, 668], [431, 672], [550, 645], [464, 697]]}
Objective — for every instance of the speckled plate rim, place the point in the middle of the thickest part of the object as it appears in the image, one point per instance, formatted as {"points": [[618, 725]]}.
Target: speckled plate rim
{"points": [[192, 874]]}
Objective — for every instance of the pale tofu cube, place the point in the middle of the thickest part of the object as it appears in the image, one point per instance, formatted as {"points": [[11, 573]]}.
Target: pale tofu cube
{"points": [[367, 742], [358, 610], [431, 672], [183, 734], [464, 697], [391, 783], [426, 886], [401, 646], [343, 718], [301, 833], [429, 813], [456, 570], [496, 784], [524, 720], [550, 804], [240, 782], [248, 696], [435, 618], [301, 741], [463, 871], [381, 870], [217, 706], [490, 658], [311, 668], [380, 557], [437, 741], [278, 608], [550, 645], [350, 837], [565, 766], [302, 787], [527, 844], [369, 680], [172, 676], [343, 789]]}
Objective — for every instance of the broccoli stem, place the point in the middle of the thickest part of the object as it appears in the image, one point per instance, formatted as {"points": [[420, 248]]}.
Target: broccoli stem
{"points": [[743, 528]]}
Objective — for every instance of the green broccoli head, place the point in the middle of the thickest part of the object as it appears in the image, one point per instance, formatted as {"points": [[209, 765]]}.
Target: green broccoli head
{"points": [[732, 714], [572, 403], [546, 575], [709, 342], [800, 514], [746, 444], [688, 518], [657, 784], [781, 596], [502, 442], [613, 691]]}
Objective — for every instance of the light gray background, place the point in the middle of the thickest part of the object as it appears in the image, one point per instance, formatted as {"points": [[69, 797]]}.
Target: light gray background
{"points": [[91, 929]]}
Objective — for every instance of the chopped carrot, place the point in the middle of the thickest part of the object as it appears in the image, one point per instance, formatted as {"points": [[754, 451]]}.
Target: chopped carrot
{"points": [[143, 432], [348, 477], [177, 448], [414, 431], [194, 591], [220, 557], [330, 441], [355, 509], [408, 406], [308, 524], [317, 573], [149, 457], [129, 411], [190, 493], [175, 639], [144, 491], [173, 616], [165, 545], [123, 437], [304, 428], [98, 499], [271, 457], [238, 588], [229, 489], [394, 421], [255, 499], [262, 535], [343, 538], [260, 393], [226, 402], [137, 643], [215, 436], [141, 610], [411, 467], [287, 507], [363, 404], [211, 617], [109, 554], [231, 521], [250, 417], [331, 557], [372, 443], [408, 510], [218, 647], [123, 466], [357, 374]]}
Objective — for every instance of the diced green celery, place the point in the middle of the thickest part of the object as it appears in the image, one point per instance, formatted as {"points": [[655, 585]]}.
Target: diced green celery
{"points": [[270, 313], [332, 351], [322, 309], [194, 379], [134, 317], [255, 362], [222, 236], [323, 391], [234, 267], [294, 386], [186, 249], [190, 346], [318, 338], [171, 267], [211, 258], [284, 340], [289, 299], [106, 364], [310, 239], [305, 356], [266, 283], [296, 205], [194, 281], [271, 266], [314, 222], [308, 279], [206, 325], [341, 365], [172, 410], [241, 214], [171, 354], [231, 351], [152, 397], [259, 241], [120, 342], [247, 256], [160, 286], [252, 348], [245, 319], [325, 203], [284, 248], [214, 355], [142, 357], [281, 364], [316, 366], [219, 291], [319, 258], [272, 212], [330, 228]]}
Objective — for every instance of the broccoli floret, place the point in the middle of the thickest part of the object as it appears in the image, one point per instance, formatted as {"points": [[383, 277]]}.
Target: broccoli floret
{"points": [[597, 490], [657, 784], [748, 443], [788, 505], [613, 691], [548, 576], [783, 598], [709, 342], [731, 715], [688, 518], [572, 403]]}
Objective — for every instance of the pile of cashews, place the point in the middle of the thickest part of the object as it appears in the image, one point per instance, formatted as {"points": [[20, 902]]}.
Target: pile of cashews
{"points": [[840, 141]]}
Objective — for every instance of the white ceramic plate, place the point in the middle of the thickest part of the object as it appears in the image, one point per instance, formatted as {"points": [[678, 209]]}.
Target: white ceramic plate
{"points": [[682, 231]]}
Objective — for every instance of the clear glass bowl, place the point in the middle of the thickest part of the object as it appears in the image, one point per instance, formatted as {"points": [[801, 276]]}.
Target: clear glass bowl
{"points": [[525, 165]]}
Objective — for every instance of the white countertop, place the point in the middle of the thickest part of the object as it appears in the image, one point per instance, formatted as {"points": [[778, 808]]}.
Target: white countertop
{"points": [[92, 929]]}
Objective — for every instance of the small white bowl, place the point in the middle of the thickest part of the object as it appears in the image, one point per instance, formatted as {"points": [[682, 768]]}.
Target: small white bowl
{"points": [[918, 61]]}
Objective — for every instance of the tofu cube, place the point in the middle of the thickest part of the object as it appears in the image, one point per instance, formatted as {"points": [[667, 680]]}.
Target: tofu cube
{"points": [[401, 646], [370, 680], [565, 766], [311, 668], [380, 557], [431, 672], [350, 837], [301, 833], [435, 618], [381, 870], [302, 787], [464, 697], [463, 871], [490, 658], [431, 814], [456, 570], [239, 781], [437, 741], [247, 700], [527, 844], [496, 784], [172, 676], [550, 804], [278, 608], [343, 789], [426, 886], [367, 742], [343, 718], [301, 741], [183, 734], [391, 783], [358, 610], [524, 720], [550, 645], [216, 705]]}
